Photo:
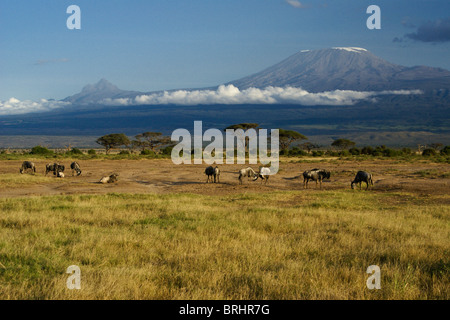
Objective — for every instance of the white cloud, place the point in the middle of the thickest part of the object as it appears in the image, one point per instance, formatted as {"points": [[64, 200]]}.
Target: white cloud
{"points": [[296, 4], [229, 94], [225, 94], [15, 106]]}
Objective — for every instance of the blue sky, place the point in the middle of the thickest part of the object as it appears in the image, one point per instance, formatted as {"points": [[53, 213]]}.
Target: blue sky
{"points": [[149, 45]]}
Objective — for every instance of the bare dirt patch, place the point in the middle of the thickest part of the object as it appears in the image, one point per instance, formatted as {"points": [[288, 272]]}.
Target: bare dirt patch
{"points": [[162, 176]]}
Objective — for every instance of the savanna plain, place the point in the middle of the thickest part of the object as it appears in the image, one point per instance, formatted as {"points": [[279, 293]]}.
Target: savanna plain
{"points": [[161, 232]]}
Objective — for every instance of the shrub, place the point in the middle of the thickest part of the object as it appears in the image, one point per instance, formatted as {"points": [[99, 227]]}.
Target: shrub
{"points": [[367, 150], [391, 152], [354, 151], [429, 152], [407, 151], [39, 150], [91, 152], [296, 151], [332, 153], [377, 153], [75, 151], [317, 153], [167, 150], [445, 151], [147, 152], [124, 152]]}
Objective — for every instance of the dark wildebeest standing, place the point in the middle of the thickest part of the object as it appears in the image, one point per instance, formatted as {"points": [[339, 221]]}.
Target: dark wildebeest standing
{"points": [[316, 175], [55, 168], [50, 168], [27, 165], [58, 168], [212, 172], [362, 176], [75, 168]]}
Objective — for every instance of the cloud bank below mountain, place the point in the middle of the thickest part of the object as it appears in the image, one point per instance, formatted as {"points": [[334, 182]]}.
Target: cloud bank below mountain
{"points": [[229, 95], [224, 94], [15, 106]]}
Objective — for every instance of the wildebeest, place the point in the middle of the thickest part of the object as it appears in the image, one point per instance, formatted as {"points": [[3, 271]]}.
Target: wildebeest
{"points": [[110, 179], [212, 172], [316, 175], [264, 174], [59, 168], [247, 172], [27, 165], [50, 167], [75, 168], [362, 176], [55, 168]]}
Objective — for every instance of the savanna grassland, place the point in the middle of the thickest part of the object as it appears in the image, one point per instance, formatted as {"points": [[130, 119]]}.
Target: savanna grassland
{"points": [[162, 233]]}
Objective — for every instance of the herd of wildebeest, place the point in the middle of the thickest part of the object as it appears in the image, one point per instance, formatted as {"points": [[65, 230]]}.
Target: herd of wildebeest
{"points": [[58, 170], [317, 175], [212, 173]]}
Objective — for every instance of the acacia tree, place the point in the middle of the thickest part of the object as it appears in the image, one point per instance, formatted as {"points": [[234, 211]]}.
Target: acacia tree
{"points": [[343, 143], [151, 140], [245, 127], [308, 146], [287, 137], [114, 140]]}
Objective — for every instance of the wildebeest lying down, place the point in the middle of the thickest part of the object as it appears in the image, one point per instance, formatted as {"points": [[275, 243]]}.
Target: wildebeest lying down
{"points": [[75, 168], [362, 176], [316, 175], [110, 179], [27, 165], [247, 172], [264, 174], [212, 172]]}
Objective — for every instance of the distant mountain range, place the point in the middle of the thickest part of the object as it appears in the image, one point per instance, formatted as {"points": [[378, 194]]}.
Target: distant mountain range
{"points": [[343, 68], [346, 68], [93, 93], [316, 71]]}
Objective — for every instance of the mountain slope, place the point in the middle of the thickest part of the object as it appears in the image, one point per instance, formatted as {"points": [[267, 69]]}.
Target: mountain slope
{"points": [[345, 69], [331, 69], [93, 93]]}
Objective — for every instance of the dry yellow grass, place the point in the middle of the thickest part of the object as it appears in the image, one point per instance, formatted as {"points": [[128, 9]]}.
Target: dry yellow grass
{"points": [[276, 245]]}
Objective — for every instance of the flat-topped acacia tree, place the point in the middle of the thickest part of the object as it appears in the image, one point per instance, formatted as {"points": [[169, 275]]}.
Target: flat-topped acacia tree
{"points": [[114, 140], [343, 143], [245, 127], [287, 137], [151, 140]]}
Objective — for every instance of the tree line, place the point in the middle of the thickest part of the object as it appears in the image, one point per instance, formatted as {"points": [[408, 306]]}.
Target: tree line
{"points": [[155, 142]]}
